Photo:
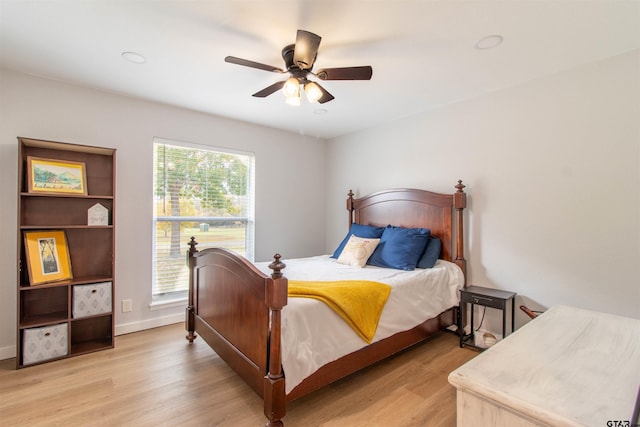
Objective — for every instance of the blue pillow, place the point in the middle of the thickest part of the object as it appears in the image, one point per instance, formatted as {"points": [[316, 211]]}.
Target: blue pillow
{"points": [[400, 248], [364, 231], [431, 253]]}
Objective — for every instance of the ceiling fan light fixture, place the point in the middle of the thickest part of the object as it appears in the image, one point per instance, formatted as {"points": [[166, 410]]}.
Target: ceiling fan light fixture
{"points": [[291, 88], [312, 91], [293, 100]]}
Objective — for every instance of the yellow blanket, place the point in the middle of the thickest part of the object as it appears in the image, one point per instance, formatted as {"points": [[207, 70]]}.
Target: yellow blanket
{"points": [[358, 302]]}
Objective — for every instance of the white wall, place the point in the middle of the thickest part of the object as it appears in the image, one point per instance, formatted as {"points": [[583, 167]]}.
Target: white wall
{"points": [[289, 170], [552, 170]]}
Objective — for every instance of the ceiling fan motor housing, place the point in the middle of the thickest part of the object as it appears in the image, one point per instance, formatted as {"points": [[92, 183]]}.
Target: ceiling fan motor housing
{"points": [[292, 68], [287, 55]]}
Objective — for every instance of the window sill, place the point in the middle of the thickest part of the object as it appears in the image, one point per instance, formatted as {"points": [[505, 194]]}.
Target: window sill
{"points": [[164, 304]]}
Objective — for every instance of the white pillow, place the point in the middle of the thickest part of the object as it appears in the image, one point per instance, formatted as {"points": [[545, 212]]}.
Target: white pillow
{"points": [[357, 251]]}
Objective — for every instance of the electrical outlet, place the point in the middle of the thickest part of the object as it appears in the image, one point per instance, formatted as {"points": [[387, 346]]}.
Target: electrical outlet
{"points": [[127, 305]]}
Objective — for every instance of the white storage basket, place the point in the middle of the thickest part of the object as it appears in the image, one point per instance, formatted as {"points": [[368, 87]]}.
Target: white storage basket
{"points": [[44, 343], [92, 299]]}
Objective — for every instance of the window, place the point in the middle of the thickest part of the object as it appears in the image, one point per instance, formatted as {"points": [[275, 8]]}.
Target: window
{"points": [[202, 192]]}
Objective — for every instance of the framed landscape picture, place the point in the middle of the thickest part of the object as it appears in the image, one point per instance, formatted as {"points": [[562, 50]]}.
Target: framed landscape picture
{"points": [[47, 256], [56, 176]]}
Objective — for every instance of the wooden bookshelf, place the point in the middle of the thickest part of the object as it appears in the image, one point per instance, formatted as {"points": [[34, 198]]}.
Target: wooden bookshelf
{"points": [[91, 251]]}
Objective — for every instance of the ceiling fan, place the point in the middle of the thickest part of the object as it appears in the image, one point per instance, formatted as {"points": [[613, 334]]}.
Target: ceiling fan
{"points": [[299, 59]]}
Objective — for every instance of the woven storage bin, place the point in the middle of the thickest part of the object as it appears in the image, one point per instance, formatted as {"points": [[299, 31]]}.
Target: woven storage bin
{"points": [[92, 299], [44, 343]]}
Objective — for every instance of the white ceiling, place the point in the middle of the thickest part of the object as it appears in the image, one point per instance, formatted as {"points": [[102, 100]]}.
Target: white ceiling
{"points": [[422, 52]]}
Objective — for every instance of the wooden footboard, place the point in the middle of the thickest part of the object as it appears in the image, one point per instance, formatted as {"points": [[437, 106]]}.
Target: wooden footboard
{"points": [[236, 309]]}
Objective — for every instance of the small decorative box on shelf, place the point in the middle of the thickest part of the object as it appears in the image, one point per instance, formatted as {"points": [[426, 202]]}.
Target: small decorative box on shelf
{"points": [[97, 215]]}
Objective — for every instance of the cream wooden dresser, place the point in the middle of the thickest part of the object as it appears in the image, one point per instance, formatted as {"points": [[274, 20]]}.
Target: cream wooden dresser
{"points": [[567, 367]]}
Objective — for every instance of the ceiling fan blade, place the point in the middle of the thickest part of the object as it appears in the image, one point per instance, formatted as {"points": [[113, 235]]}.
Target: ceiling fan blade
{"points": [[252, 64], [269, 90], [326, 96], [346, 73], [306, 49]]}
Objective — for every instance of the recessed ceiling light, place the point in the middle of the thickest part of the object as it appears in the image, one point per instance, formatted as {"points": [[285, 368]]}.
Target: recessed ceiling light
{"points": [[320, 111], [134, 57], [489, 42]]}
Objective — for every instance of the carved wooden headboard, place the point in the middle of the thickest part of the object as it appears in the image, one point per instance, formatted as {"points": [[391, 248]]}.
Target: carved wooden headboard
{"points": [[406, 207]]}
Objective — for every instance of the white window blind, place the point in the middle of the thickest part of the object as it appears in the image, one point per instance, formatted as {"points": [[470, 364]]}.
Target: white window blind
{"points": [[203, 192]]}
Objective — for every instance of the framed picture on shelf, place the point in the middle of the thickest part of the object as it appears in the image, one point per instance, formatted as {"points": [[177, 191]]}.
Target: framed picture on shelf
{"points": [[47, 256], [56, 176]]}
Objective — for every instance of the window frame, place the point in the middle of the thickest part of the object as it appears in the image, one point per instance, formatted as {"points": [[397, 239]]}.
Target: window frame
{"points": [[172, 297]]}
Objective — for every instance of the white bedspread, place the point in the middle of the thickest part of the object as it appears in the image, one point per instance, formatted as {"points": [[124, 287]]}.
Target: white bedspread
{"points": [[313, 335]]}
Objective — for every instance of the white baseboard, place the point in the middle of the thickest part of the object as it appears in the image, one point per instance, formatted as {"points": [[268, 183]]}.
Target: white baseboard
{"points": [[7, 352], [128, 328], [10, 351]]}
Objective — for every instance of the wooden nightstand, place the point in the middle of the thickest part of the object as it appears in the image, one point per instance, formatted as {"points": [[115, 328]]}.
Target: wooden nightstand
{"points": [[487, 297]]}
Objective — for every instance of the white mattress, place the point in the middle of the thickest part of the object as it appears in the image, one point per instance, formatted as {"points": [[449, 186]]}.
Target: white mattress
{"points": [[313, 335]]}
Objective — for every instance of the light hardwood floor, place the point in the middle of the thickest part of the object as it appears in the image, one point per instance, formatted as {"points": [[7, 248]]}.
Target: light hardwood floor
{"points": [[155, 378]]}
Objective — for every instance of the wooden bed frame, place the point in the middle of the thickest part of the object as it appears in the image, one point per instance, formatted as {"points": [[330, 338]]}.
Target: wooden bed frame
{"points": [[237, 309]]}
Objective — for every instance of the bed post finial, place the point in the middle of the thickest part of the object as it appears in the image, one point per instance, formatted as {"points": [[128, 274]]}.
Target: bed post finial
{"points": [[350, 207], [460, 186], [190, 323], [277, 266], [192, 245]]}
